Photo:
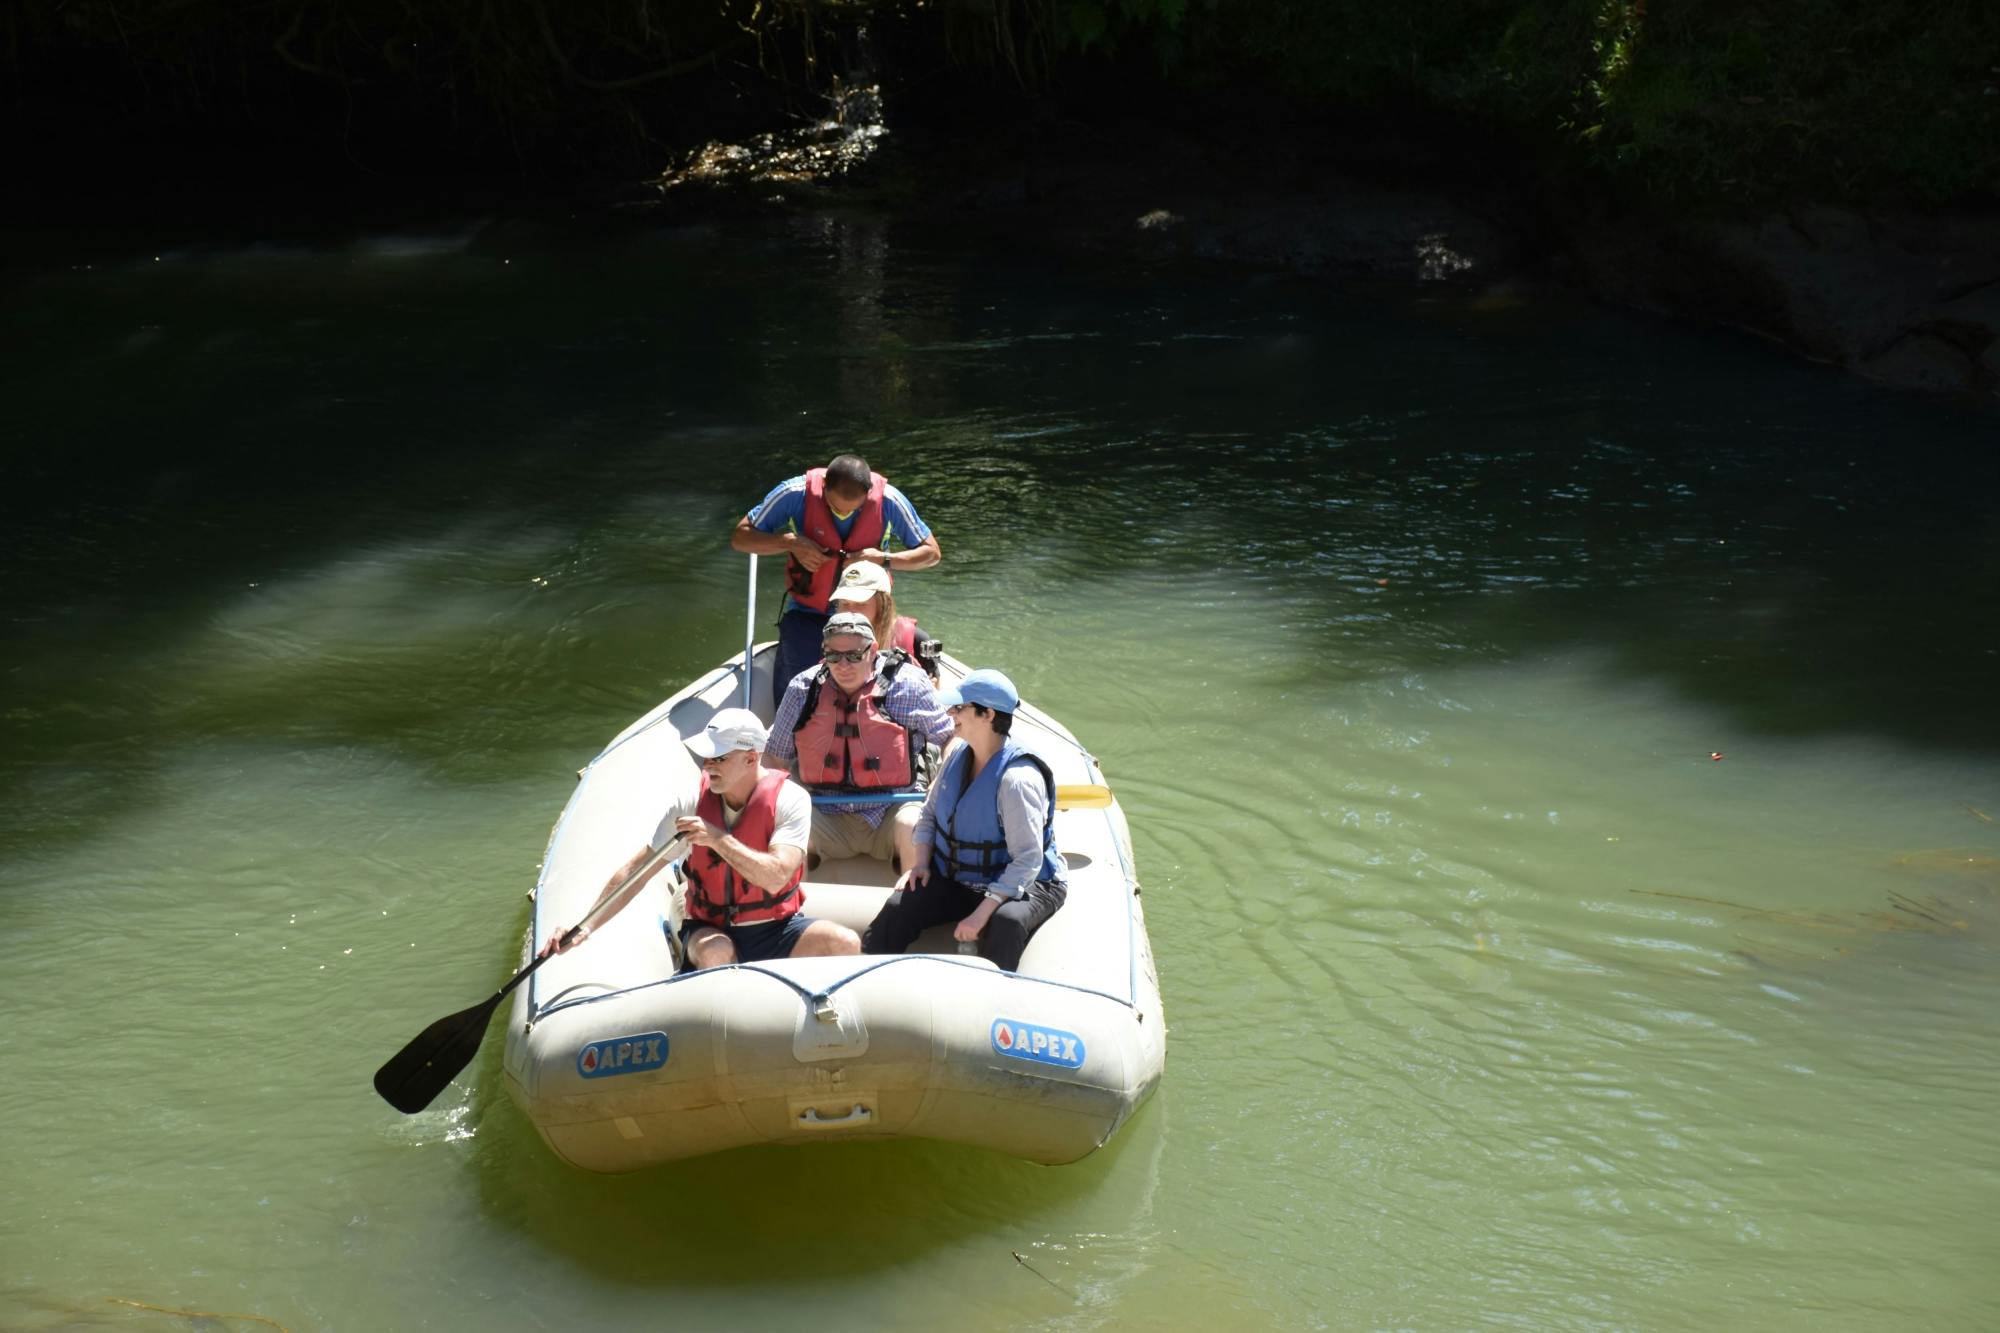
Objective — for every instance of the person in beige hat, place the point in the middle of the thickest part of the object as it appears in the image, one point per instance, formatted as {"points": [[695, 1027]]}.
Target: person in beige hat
{"points": [[865, 588]]}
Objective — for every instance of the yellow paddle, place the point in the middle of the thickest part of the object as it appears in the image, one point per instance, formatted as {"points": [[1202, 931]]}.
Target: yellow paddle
{"points": [[1082, 797]]}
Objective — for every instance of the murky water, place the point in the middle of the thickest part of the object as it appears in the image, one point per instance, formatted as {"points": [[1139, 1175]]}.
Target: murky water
{"points": [[1407, 631]]}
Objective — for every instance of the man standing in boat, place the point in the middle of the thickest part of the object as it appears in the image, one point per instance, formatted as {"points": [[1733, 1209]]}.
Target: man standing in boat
{"points": [[860, 723], [822, 522], [748, 836]]}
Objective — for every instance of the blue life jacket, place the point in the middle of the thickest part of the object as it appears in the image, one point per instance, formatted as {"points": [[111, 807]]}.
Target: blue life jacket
{"points": [[970, 845]]}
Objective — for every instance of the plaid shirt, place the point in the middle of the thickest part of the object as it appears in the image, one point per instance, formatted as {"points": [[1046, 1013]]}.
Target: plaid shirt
{"points": [[910, 700]]}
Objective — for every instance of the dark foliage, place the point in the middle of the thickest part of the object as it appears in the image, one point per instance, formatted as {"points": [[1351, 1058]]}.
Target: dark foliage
{"points": [[1692, 102]]}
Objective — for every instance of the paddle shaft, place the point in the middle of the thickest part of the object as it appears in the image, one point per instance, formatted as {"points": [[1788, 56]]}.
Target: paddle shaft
{"points": [[750, 631], [673, 847], [411, 1078], [588, 917]]}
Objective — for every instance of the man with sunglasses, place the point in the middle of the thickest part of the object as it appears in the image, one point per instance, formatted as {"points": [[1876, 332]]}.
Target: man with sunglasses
{"points": [[860, 723]]}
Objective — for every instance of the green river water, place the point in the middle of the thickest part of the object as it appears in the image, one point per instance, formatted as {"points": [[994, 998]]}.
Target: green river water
{"points": [[1405, 626]]}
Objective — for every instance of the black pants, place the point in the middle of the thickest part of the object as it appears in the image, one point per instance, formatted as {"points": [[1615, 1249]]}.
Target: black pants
{"points": [[798, 648], [909, 914]]}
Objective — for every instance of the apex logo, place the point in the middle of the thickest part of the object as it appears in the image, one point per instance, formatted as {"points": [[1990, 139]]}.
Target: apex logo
{"points": [[622, 1055], [1044, 1046]]}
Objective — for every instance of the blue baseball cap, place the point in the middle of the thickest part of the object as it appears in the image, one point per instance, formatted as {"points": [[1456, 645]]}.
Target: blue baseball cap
{"points": [[985, 687]]}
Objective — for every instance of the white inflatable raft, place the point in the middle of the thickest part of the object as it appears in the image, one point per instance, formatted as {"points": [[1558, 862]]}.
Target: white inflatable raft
{"points": [[622, 1064]]}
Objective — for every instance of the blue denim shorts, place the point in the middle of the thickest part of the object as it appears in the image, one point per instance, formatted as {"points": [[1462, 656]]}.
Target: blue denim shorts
{"points": [[756, 943]]}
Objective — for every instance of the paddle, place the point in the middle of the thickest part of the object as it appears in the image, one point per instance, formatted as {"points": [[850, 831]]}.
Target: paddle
{"points": [[415, 1075], [1082, 797], [1078, 797], [750, 637]]}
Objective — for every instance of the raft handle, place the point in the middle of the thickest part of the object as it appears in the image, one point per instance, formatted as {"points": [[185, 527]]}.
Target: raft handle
{"points": [[812, 1119]]}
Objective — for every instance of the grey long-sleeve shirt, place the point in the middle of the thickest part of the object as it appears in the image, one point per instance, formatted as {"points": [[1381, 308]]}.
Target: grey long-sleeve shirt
{"points": [[1024, 809]]}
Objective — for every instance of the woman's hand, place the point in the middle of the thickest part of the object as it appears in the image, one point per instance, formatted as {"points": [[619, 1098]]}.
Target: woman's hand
{"points": [[968, 930], [913, 878]]}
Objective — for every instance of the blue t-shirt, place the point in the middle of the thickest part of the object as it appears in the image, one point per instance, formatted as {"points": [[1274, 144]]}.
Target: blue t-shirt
{"points": [[784, 509]]}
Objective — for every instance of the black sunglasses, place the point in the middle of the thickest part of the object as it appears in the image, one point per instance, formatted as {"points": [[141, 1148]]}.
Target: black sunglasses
{"points": [[846, 654]]}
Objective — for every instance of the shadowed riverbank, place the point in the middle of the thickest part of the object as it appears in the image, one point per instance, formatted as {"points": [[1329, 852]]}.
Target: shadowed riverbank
{"points": [[1821, 174]]}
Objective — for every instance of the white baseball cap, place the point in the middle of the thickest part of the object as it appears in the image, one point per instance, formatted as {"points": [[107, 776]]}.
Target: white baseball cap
{"points": [[731, 729]]}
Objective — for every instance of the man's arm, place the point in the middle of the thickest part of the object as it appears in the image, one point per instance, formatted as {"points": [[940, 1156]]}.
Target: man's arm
{"points": [[752, 540], [912, 700], [616, 895], [767, 870], [907, 527], [782, 744], [772, 528], [921, 556]]}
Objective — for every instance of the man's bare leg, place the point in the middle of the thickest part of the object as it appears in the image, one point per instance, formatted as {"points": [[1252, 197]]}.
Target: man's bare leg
{"points": [[709, 947], [826, 939]]}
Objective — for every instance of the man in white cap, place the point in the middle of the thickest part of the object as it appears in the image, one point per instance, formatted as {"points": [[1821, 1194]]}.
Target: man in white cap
{"points": [[858, 724], [748, 833]]}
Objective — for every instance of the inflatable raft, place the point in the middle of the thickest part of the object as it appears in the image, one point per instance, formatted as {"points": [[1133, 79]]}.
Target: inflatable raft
{"points": [[621, 1063]]}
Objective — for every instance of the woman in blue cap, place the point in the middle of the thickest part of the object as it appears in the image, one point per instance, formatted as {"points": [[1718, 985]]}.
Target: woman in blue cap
{"points": [[985, 842]]}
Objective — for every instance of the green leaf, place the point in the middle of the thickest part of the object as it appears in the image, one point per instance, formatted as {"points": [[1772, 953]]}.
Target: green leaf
{"points": [[1086, 23]]}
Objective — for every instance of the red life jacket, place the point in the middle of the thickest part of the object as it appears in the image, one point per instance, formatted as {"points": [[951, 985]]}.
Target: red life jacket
{"points": [[716, 894], [905, 635], [812, 588], [851, 744]]}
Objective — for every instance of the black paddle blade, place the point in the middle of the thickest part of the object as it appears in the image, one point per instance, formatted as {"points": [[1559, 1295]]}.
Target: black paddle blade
{"points": [[416, 1074]]}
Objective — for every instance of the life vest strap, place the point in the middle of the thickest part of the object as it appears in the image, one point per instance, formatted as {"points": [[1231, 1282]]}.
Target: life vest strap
{"points": [[983, 858], [743, 897]]}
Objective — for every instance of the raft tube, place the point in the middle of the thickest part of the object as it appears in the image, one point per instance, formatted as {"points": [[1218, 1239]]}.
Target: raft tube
{"points": [[620, 1063]]}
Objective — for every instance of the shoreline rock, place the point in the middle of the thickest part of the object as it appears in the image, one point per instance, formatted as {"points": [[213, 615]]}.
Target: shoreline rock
{"points": [[1905, 298]]}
